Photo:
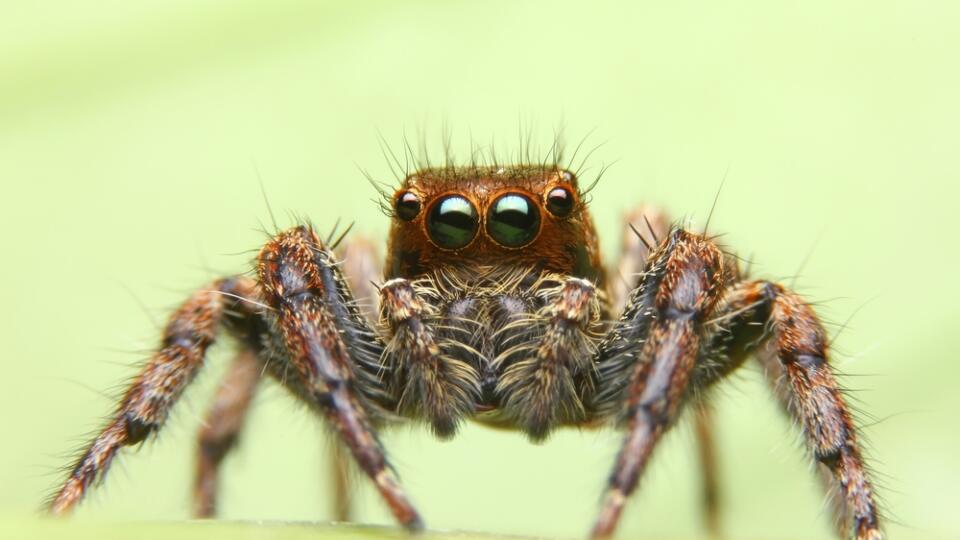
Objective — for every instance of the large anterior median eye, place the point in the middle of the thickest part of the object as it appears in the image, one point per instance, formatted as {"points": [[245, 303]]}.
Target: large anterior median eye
{"points": [[452, 223], [513, 220]]}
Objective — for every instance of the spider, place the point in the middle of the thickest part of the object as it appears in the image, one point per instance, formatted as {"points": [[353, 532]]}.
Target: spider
{"points": [[494, 306]]}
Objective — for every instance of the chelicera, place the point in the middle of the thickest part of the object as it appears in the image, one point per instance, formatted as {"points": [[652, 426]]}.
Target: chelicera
{"points": [[493, 305]]}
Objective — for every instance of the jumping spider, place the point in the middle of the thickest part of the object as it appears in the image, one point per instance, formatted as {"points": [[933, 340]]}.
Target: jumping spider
{"points": [[496, 307]]}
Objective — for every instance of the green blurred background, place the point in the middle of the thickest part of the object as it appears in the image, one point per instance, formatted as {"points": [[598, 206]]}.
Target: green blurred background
{"points": [[130, 138]]}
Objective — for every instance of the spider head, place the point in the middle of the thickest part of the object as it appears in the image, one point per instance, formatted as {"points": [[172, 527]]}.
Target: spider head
{"points": [[530, 215]]}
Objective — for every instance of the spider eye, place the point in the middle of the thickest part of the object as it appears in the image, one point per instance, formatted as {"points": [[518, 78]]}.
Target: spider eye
{"points": [[513, 220], [560, 201], [453, 222], [407, 206]]}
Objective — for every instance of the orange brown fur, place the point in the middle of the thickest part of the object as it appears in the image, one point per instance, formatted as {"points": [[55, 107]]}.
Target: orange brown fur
{"points": [[146, 404], [567, 246], [294, 279]]}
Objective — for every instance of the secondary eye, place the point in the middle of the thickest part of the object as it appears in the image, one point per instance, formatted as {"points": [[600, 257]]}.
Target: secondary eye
{"points": [[560, 201], [513, 220], [407, 206], [452, 223]]}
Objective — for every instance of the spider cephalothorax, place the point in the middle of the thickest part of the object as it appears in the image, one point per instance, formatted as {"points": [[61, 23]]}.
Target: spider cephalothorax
{"points": [[528, 216], [489, 258], [494, 306]]}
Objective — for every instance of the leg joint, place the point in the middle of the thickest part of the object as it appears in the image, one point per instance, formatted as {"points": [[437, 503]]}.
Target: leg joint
{"points": [[137, 429], [214, 447], [829, 456]]}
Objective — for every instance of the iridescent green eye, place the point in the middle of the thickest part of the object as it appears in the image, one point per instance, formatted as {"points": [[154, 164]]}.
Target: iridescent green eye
{"points": [[513, 220], [453, 222]]}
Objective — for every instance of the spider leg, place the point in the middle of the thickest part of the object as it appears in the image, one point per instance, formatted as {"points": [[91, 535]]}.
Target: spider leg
{"points": [[221, 428], [645, 227], [710, 486], [146, 404], [783, 331], [315, 319], [226, 416], [647, 362], [431, 383], [362, 268], [775, 376]]}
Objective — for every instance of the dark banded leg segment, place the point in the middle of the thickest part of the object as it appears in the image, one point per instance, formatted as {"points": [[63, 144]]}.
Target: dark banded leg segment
{"points": [[301, 282], [362, 269], [683, 284], [145, 405], [643, 229], [794, 350]]}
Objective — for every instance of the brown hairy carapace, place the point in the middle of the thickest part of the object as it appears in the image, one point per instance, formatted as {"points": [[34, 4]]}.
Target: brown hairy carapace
{"points": [[564, 240], [493, 305]]}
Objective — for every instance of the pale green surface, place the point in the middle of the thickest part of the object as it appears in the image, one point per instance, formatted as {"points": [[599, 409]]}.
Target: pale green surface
{"points": [[129, 134], [121, 530]]}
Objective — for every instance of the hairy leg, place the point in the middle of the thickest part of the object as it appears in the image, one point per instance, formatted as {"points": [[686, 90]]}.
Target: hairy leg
{"points": [[362, 268], [221, 428], [776, 376], [785, 334], [227, 414], [147, 402], [645, 226], [328, 351], [648, 361]]}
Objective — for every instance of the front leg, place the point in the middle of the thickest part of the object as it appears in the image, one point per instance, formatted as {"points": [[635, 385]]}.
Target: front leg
{"points": [[362, 268], [648, 360], [643, 228], [313, 316]]}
